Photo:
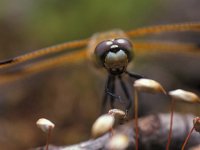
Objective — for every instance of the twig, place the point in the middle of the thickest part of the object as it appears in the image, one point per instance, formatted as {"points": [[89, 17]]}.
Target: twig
{"points": [[153, 134]]}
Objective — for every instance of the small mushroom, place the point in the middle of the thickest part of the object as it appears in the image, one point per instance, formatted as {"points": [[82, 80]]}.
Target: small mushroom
{"points": [[196, 122], [180, 95], [102, 125], [183, 95], [149, 86], [46, 126], [144, 85], [196, 127], [118, 142], [119, 115]]}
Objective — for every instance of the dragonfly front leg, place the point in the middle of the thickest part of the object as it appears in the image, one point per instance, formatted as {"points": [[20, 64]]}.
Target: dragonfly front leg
{"points": [[134, 75], [105, 97], [112, 92], [127, 94]]}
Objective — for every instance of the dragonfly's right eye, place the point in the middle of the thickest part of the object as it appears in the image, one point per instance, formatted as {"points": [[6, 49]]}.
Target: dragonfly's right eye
{"points": [[101, 50]]}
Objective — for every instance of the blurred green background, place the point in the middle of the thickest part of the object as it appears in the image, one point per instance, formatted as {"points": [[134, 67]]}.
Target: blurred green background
{"points": [[70, 96]]}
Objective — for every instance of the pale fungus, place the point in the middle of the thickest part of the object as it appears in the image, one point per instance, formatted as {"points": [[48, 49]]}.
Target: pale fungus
{"points": [[102, 125], [46, 126], [144, 85]]}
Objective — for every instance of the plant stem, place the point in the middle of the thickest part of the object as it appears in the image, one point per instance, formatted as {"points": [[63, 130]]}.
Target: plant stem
{"points": [[171, 123], [111, 132], [136, 118], [48, 138], [187, 138]]}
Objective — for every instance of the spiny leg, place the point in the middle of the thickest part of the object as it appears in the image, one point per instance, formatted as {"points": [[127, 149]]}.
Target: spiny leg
{"points": [[104, 101], [105, 97], [109, 90], [134, 75], [127, 94], [112, 90]]}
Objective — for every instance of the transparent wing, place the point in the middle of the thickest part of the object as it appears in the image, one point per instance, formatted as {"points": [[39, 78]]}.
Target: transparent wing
{"points": [[74, 56], [82, 43], [195, 27], [42, 52], [43, 65], [141, 47]]}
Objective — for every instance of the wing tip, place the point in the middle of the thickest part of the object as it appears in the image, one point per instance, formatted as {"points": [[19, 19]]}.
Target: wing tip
{"points": [[8, 61]]}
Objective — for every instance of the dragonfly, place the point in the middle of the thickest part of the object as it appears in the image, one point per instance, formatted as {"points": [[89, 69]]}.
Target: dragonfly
{"points": [[112, 50]]}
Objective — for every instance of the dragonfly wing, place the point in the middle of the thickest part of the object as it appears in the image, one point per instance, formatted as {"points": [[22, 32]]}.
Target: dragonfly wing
{"points": [[43, 65], [195, 27], [44, 51], [142, 47]]}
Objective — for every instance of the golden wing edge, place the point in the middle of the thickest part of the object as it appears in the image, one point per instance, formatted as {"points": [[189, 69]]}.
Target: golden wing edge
{"points": [[140, 47], [177, 27], [44, 65], [84, 42], [144, 47], [42, 52]]}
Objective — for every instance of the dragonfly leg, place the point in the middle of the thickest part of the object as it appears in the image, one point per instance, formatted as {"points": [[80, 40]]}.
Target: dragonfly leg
{"points": [[127, 94], [109, 90], [134, 75], [112, 92], [103, 106], [105, 97]]}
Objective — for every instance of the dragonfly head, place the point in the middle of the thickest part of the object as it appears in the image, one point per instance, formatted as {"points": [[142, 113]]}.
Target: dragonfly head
{"points": [[114, 55]]}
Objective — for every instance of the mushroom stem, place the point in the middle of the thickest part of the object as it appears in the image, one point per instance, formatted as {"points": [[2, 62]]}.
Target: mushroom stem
{"points": [[171, 123], [48, 138], [187, 138], [136, 118], [111, 132]]}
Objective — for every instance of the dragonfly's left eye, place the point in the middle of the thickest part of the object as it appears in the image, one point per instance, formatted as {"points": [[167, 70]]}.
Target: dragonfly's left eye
{"points": [[102, 49]]}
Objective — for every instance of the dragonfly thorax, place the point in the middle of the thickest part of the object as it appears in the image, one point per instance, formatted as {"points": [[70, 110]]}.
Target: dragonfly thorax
{"points": [[114, 55]]}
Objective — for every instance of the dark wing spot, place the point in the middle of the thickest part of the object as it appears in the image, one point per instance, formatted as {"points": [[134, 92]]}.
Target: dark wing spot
{"points": [[8, 61]]}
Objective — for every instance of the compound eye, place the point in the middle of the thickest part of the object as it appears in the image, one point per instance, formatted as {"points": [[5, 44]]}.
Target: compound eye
{"points": [[124, 44], [102, 49]]}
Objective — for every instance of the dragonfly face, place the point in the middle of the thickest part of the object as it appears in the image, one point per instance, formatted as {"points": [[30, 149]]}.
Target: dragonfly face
{"points": [[114, 55]]}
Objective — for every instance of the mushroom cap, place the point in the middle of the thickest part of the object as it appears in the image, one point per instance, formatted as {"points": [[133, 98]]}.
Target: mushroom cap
{"points": [[148, 85], [102, 125], [119, 115], [118, 142], [183, 95], [196, 122], [44, 124]]}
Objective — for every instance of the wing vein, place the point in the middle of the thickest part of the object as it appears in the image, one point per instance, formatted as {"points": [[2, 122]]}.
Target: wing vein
{"points": [[42, 52], [43, 65], [195, 27]]}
